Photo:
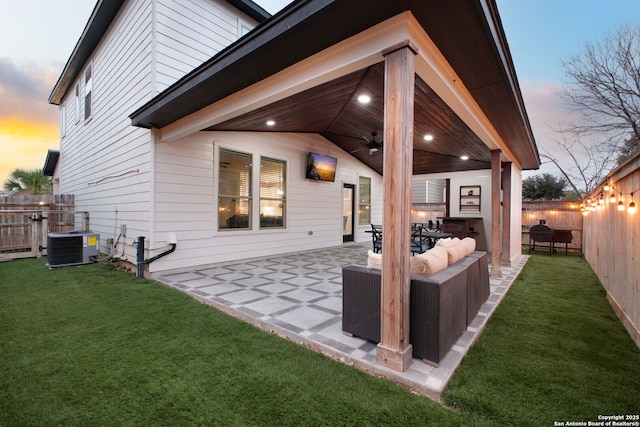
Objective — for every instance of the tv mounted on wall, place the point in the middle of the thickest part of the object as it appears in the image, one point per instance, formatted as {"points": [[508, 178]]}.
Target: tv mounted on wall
{"points": [[321, 167]]}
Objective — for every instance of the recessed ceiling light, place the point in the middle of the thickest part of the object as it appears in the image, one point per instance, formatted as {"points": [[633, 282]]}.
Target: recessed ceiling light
{"points": [[465, 157], [428, 137], [364, 99], [271, 123]]}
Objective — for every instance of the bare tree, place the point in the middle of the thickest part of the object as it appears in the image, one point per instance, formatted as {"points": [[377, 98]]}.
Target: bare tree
{"points": [[582, 162], [604, 94], [605, 86]]}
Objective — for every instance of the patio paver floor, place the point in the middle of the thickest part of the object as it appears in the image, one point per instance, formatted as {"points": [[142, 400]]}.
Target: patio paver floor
{"points": [[299, 296]]}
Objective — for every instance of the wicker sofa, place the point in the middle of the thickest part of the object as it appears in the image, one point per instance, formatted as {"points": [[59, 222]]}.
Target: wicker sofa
{"points": [[442, 304]]}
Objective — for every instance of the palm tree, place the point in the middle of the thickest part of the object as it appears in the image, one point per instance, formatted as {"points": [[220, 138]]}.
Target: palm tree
{"points": [[29, 181]]}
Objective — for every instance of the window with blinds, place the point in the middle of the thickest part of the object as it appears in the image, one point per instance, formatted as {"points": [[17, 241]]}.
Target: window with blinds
{"points": [[234, 190], [364, 200], [77, 104], [88, 88], [272, 193]]}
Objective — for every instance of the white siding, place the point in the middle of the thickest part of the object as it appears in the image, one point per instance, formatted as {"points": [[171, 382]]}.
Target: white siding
{"points": [[189, 32], [516, 214], [425, 190], [419, 191], [186, 198], [109, 164], [105, 162]]}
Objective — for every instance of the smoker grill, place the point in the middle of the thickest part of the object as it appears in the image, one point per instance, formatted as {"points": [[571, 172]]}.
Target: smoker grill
{"points": [[542, 233]]}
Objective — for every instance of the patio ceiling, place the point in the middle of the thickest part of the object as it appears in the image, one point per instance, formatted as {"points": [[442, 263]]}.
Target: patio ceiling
{"points": [[333, 111], [468, 34]]}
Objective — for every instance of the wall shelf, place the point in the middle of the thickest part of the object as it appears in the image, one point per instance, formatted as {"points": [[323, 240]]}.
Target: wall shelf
{"points": [[469, 198]]}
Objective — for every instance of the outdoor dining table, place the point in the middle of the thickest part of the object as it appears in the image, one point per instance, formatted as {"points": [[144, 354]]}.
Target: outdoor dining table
{"points": [[421, 238], [430, 236]]}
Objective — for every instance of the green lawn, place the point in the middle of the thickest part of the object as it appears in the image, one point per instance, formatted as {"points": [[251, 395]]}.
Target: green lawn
{"points": [[94, 346]]}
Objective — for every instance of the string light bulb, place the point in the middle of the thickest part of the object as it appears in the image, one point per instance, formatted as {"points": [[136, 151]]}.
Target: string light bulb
{"points": [[612, 198], [632, 206], [620, 205], [607, 187]]}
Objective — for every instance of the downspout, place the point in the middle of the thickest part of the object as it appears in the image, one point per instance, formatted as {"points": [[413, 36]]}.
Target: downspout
{"points": [[141, 262]]}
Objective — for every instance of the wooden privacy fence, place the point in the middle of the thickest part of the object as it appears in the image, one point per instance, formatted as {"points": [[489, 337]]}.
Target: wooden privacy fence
{"points": [[612, 242], [555, 214], [25, 222]]}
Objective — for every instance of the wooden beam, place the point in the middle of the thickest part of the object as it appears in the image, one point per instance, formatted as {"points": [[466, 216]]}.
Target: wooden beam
{"points": [[505, 259], [496, 224], [394, 349]]}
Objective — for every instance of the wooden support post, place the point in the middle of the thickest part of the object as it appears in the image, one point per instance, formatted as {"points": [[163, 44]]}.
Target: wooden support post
{"points": [[394, 349], [506, 215], [496, 225]]}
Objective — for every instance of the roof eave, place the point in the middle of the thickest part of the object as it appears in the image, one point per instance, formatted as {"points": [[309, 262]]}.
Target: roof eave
{"points": [[251, 9], [50, 162], [276, 40], [100, 19]]}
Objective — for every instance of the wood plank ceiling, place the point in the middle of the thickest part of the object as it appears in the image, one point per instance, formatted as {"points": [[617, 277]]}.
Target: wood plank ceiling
{"points": [[333, 111]]}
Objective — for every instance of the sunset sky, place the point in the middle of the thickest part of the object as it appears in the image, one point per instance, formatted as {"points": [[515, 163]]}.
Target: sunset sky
{"points": [[37, 37]]}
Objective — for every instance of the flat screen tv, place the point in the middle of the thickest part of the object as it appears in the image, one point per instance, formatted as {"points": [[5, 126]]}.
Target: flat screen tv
{"points": [[321, 167]]}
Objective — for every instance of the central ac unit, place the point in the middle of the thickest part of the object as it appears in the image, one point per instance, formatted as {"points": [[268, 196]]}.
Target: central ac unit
{"points": [[73, 247]]}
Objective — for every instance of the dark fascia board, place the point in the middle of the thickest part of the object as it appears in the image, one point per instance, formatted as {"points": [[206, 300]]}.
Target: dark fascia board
{"points": [[305, 27], [300, 30], [495, 22], [101, 18], [50, 162], [251, 9]]}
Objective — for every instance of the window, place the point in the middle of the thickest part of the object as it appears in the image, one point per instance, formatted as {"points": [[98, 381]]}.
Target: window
{"points": [[63, 121], [272, 193], [234, 190], [88, 87], [243, 28], [77, 103], [364, 201]]}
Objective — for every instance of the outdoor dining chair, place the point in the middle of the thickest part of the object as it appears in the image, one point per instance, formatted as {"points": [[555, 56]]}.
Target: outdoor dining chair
{"points": [[376, 235]]}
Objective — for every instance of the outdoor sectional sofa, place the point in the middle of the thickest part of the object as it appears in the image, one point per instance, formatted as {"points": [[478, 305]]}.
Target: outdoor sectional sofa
{"points": [[442, 304]]}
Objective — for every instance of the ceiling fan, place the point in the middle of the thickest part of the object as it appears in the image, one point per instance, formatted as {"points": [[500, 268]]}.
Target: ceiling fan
{"points": [[373, 144]]}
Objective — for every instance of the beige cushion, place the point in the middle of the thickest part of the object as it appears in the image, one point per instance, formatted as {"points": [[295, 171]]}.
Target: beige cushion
{"points": [[455, 253], [469, 244], [417, 263], [444, 242], [374, 260], [429, 262], [448, 242]]}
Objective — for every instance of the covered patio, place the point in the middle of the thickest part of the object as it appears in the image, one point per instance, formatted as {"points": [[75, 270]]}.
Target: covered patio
{"points": [[299, 296], [443, 94]]}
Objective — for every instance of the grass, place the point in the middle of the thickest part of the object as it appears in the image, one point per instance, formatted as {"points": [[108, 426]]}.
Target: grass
{"points": [[554, 350], [96, 346]]}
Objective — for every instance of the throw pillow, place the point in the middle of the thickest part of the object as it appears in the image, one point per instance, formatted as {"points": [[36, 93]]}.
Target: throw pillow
{"points": [[469, 244], [429, 262], [374, 260], [455, 253]]}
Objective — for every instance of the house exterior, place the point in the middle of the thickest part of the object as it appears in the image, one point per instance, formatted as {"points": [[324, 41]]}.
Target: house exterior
{"points": [[164, 108]]}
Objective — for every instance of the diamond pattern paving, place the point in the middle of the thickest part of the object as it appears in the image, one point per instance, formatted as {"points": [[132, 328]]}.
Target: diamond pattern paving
{"points": [[299, 295]]}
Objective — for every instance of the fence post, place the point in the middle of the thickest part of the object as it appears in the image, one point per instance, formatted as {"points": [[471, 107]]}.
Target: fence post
{"points": [[35, 224], [44, 232]]}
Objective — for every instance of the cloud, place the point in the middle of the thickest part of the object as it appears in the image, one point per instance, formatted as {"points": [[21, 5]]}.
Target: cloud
{"points": [[24, 92], [546, 113], [28, 123]]}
